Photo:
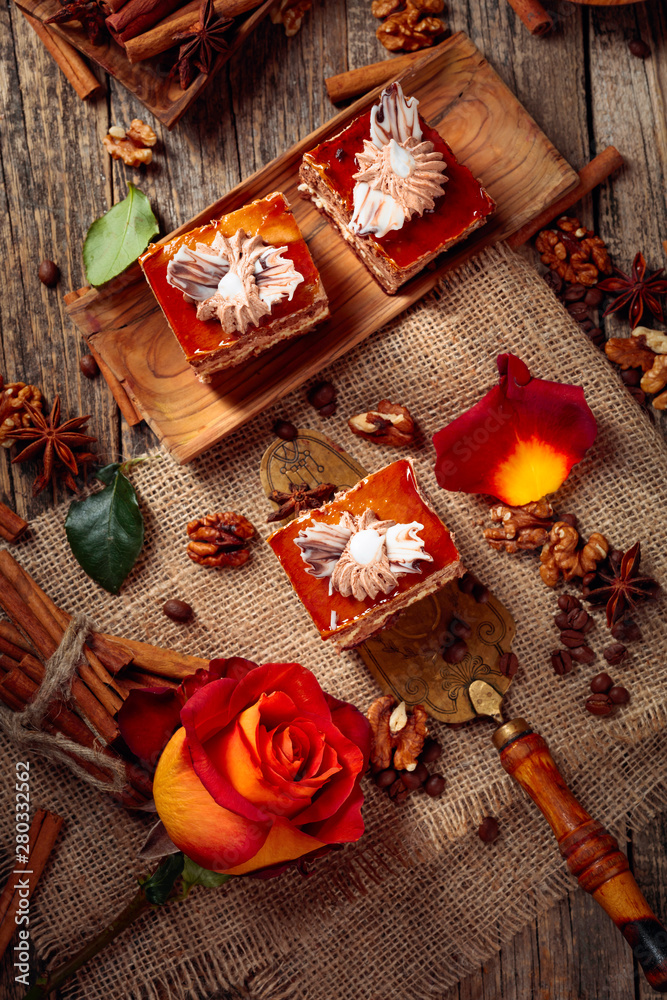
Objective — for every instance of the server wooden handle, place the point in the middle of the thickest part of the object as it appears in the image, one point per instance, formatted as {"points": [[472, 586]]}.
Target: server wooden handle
{"points": [[591, 853]]}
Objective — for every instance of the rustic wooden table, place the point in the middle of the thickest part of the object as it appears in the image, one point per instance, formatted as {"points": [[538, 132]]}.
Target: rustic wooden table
{"points": [[583, 87]]}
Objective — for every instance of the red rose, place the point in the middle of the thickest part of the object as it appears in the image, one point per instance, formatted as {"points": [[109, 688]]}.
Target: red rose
{"points": [[265, 769]]}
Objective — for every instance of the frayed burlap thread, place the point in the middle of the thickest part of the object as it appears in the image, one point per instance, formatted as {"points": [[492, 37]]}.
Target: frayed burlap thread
{"points": [[24, 728], [420, 900]]}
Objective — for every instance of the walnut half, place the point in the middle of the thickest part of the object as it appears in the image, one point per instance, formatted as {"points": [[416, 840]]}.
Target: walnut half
{"points": [[562, 554], [388, 424], [398, 731], [134, 146], [408, 30]]}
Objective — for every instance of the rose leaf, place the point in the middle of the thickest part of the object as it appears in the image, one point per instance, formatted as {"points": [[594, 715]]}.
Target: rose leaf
{"points": [[114, 241], [158, 887], [106, 531], [194, 874]]}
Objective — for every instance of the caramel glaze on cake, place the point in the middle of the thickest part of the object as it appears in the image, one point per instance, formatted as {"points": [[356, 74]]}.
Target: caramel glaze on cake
{"points": [[392, 493], [326, 176], [206, 345]]}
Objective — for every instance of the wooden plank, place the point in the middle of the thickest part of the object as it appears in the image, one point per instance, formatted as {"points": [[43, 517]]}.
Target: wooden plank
{"points": [[488, 130], [649, 865]]}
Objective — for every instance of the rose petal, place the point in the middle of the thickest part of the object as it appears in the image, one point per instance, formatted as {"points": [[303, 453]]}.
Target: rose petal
{"points": [[214, 837], [284, 843], [346, 825], [147, 720], [519, 442], [234, 667], [352, 723], [337, 790]]}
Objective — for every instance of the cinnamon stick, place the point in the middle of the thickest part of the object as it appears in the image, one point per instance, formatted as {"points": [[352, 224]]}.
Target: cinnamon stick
{"points": [[11, 525], [161, 37], [590, 176], [68, 60], [23, 879], [359, 81], [533, 15], [10, 633], [123, 401], [159, 661], [136, 16]]}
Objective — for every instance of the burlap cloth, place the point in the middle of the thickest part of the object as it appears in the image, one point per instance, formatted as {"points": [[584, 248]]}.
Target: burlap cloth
{"points": [[420, 900]]}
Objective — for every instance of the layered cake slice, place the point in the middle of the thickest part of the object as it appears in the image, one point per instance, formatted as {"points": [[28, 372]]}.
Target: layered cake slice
{"points": [[394, 189], [373, 550], [237, 286]]}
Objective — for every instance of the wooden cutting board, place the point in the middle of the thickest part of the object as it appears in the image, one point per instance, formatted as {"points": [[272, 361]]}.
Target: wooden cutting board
{"points": [[150, 81], [489, 131]]}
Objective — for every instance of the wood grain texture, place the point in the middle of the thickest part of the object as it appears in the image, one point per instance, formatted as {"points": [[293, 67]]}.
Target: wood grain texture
{"points": [[582, 88], [151, 81], [489, 131]]}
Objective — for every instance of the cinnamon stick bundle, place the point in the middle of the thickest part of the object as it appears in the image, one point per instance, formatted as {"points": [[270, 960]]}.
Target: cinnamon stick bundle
{"points": [[161, 37], [137, 16], [42, 836], [71, 64], [353, 82]]}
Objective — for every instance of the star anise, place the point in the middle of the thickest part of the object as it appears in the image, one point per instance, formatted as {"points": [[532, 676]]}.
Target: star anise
{"points": [[88, 13], [618, 584], [201, 44], [300, 497], [636, 290], [54, 444]]}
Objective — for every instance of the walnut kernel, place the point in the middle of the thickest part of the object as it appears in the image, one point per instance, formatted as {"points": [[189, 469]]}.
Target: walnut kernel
{"points": [[388, 424], [219, 539], [655, 379], [13, 414], [132, 147], [397, 730], [404, 30], [562, 554]]}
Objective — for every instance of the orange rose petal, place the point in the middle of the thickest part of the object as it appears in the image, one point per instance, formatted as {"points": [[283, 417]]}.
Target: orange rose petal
{"points": [[211, 835], [520, 441], [284, 843]]}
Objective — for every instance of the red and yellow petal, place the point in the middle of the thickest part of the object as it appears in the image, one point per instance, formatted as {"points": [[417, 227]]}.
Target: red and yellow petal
{"points": [[284, 843], [214, 837], [520, 441]]}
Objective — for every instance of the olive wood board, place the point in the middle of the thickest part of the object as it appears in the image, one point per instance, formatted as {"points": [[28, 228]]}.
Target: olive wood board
{"points": [[150, 81], [406, 658], [466, 101]]}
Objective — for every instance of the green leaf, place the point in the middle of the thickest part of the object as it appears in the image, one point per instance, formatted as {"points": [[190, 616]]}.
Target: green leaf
{"points": [[158, 887], [113, 242], [106, 531], [194, 874], [107, 472]]}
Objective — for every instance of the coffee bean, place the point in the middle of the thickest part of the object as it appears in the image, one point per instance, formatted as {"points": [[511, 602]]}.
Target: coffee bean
{"points": [[572, 638], [578, 619], [481, 593], [285, 430], [398, 792], [601, 684], [460, 629], [599, 704], [593, 297], [574, 293], [639, 48], [411, 780], [49, 273], [89, 366], [328, 409], [177, 610], [582, 654], [626, 631], [570, 519], [456, 652], [596, 336], [383, 779], [587, 325], [554, 281], [638, 394], [561, 661], [321, 394], [619, 695], [432, 751], [467, 582], [421, 771], [508, 664], [488, 829], [578, 310], [561, 620], [567, 602], [590, 624], [434, 785], [615, 653], [632, 376]]}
